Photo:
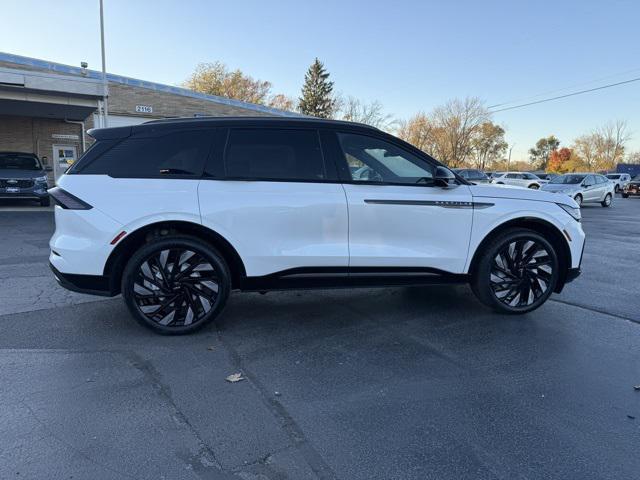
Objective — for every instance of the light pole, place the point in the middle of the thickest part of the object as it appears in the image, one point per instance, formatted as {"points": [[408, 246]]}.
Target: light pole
{"points": [[105, 87], [509, 159]]}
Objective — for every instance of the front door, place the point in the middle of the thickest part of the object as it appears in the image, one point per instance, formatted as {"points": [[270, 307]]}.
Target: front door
{"points": [[63, 157], [398, 218]]}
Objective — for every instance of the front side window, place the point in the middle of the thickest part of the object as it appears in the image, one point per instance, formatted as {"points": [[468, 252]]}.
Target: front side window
{"points": [[373, 160], [174, 154], [514, 175], [274, 154]]}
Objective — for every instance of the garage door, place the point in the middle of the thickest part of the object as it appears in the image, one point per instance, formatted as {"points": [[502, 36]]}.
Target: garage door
{"points": [[121, 120]]}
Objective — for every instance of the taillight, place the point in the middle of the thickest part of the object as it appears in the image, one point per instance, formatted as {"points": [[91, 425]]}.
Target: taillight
{"points": [[66, 200]]}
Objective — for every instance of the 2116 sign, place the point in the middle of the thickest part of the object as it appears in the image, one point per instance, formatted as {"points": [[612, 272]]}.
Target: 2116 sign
{"points": [[144, 109]]}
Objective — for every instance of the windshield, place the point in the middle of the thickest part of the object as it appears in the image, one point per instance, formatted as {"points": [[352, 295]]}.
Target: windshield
{"points": [[19, 162], [613, 177], [568, 179]]}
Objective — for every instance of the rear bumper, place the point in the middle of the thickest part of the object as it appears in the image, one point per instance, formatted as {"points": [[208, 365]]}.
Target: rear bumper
{"points": [[89, 284]]}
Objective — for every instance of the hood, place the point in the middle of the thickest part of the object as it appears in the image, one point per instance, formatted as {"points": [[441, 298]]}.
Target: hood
{"points": [[517, 193], [561, 187], [14, 173]]}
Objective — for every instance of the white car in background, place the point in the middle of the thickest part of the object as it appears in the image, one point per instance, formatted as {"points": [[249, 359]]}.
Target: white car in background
{"points": [[619, 180], [583, 188], [519, 179]]}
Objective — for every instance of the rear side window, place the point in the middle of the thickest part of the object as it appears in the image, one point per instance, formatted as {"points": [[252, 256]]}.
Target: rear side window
{"points": [[274, 154], [176, 154]]}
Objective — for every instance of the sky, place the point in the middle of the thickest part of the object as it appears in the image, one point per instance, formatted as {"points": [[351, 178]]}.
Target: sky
{"points": [[409, 55]]}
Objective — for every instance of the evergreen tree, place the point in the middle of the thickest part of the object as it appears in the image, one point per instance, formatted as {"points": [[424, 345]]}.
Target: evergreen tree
{"points": [[317, 99]]}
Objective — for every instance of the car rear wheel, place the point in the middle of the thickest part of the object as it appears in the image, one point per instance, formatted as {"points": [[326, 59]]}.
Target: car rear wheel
{"points": [[607, 200], [45, 202], [625, 195], [517, 272], [578, 199], [534, 186], [617, 188], [176, 284]]}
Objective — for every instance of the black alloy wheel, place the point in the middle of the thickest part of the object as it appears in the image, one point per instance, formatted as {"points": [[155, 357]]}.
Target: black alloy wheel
{"points": [[176, 285], [521, 273], [517, 272]]}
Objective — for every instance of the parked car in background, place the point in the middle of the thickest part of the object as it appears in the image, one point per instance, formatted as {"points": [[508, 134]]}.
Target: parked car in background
{"points": [[619, 180], [583, 188], [546, 176], [632, 188], [255, 204], [472, 175], [519, 179], [23, 177]]}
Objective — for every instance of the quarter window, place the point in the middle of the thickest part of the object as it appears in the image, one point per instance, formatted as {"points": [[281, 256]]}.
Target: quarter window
{"points": [[174, 154], [274, 154], [372, 160]]}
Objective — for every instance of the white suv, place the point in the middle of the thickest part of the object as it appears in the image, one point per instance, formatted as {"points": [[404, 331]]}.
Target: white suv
{"points": [[519, 179], [175, 214], [619, 180]]}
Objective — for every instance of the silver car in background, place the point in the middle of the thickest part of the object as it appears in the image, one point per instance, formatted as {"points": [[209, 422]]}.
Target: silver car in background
{"points": [[583, 188], [620, 180]]}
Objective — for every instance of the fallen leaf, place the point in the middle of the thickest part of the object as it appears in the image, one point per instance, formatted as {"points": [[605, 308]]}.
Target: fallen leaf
{"points": [[631, 417], [637, 388], [235, 377], [211, 347]]}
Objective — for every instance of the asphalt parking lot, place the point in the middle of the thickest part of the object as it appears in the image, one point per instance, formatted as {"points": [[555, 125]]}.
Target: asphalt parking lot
{"points": [[404, 383]]}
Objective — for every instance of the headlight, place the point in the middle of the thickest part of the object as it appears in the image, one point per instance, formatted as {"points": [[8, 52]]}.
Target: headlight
{"points": [[42, 179], [574, 212]]}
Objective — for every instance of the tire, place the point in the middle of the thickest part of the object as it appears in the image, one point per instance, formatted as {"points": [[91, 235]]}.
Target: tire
{"points": [[625, 195], [607, 201], [578, 199], [149, 280], [45, 202], [617, 189], [501, 283], [534, 186]]}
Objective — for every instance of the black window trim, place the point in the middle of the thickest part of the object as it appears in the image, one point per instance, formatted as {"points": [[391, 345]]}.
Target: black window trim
{"points": [[329, 168], [345, 174]]}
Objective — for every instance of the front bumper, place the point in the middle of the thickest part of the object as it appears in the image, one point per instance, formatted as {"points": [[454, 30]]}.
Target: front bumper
{"points": [[90, 284]]}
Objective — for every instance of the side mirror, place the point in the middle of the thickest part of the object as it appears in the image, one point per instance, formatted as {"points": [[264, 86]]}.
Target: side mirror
{"points": [[444, 177]]}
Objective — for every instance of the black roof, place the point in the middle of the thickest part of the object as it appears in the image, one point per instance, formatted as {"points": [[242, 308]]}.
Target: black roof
{"points": [[190, 122]]}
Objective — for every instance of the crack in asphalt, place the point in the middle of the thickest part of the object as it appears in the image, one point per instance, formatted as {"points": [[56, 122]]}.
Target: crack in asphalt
{"points": [[206, 457], [595, 310], [312, 457]]}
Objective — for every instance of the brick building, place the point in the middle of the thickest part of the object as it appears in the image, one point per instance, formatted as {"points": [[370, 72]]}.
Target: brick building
{"points": [[46, 107]]}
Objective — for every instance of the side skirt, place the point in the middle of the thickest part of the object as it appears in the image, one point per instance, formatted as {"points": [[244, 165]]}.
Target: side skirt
{"points": [[338, 277]]}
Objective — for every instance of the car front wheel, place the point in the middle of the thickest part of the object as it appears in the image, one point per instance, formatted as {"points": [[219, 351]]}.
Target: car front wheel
{"points": [[578, 199], [176, 284], [516, 272]]}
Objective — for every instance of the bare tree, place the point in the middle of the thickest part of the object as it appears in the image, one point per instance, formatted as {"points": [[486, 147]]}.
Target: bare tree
{"points": [[447, 132], [372, 113], [456, 122], [610, 142], [216, 79], [418, 131], [488, 144], [283, 102], [604, 147]]}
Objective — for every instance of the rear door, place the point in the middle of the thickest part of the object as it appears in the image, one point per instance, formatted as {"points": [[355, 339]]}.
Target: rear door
{"points": [[398, 218], [271, 194]]}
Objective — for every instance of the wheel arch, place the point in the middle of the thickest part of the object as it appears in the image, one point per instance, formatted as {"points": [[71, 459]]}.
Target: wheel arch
{"points": [[552, 233], [116, 261]]}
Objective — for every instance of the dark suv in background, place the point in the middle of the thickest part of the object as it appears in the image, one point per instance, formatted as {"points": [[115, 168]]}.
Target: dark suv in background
{"points": [[23, 177]]}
